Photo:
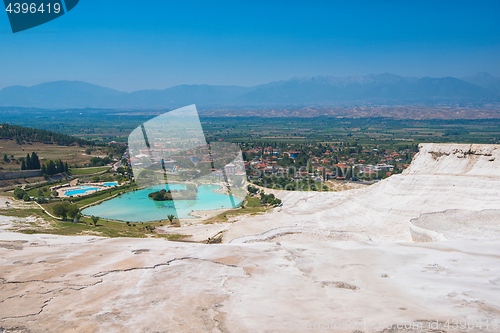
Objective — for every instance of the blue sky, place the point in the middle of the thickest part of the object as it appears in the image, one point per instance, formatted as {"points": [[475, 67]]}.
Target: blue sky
{"points": [[131, 45]]}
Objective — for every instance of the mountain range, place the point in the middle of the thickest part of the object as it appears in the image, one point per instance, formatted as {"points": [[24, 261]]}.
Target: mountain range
{"points": [[375, 89]]}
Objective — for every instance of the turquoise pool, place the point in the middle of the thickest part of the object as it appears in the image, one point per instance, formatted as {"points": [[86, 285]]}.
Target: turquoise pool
{"points": [[137, 207], [80, 190], [110, 184]]}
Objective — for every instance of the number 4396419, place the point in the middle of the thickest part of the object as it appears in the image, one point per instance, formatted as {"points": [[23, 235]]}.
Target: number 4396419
{"points": [[32, 8]]}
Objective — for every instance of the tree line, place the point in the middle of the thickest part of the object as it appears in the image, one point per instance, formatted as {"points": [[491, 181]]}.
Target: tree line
{"points": [[26, 134], [49, 168], [52, 167], [30, 162]]}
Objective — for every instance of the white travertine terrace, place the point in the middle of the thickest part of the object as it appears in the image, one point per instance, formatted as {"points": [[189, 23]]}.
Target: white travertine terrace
{"points": [[441, 177], [456, 224], [323, 258]]}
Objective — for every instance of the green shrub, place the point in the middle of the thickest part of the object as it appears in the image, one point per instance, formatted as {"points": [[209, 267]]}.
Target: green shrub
{"points": [[61, 209], [19, 193], [73, 211]]}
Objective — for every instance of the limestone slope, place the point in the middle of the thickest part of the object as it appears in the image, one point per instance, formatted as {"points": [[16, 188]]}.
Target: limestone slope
{"points": [[361, 283], [441, 177]]}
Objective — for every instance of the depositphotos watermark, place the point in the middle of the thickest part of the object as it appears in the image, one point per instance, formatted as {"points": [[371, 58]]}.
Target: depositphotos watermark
{"points": [[365, 324], [171, 153], [26, 14]]}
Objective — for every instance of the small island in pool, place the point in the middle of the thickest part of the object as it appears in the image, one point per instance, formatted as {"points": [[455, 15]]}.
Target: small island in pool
{"points": [[191, 193]]}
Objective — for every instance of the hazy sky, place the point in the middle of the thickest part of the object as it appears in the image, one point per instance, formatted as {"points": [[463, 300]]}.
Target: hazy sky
{"points": [[131, 45]]}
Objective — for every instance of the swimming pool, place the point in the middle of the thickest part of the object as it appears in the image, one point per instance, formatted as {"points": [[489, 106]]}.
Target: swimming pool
{"points": [[80, 190], [136, 206], [110, 184]]}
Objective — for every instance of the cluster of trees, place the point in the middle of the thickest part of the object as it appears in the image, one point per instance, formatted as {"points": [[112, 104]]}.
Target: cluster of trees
{"points": [[252, 189], [97, 161], [49, 168], [269, 199], [64, 209], [26, 134], [22, 194], [282, 183], [52, 167], [116, 151], [19, 193], [164, 195], [30, 162], [95, 219], [265, 199], [108, 178]]}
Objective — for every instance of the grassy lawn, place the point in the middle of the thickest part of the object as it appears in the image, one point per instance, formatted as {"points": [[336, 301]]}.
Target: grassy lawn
{"points": [[41, 191], [103, 228], [87, 171], [223, 217], [110, 228], [253, 202], [74, 155], [252, 207], [22, 213]]}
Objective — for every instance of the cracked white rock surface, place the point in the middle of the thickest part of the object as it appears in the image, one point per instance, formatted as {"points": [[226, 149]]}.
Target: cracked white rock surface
{"points": [[324, 257], [103, 286]]}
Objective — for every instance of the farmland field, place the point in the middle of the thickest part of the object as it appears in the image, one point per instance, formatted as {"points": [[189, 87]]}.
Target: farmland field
{"points": [[74, 155]]}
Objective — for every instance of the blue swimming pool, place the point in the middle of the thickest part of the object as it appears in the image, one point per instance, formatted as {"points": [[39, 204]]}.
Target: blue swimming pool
{"points": [[110, 184], [80, 190], [136, 206]]}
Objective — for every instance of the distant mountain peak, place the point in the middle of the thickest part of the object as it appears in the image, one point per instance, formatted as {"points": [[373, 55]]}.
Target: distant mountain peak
{"points": [[373, 89], [483, 75], [486, 81]]}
